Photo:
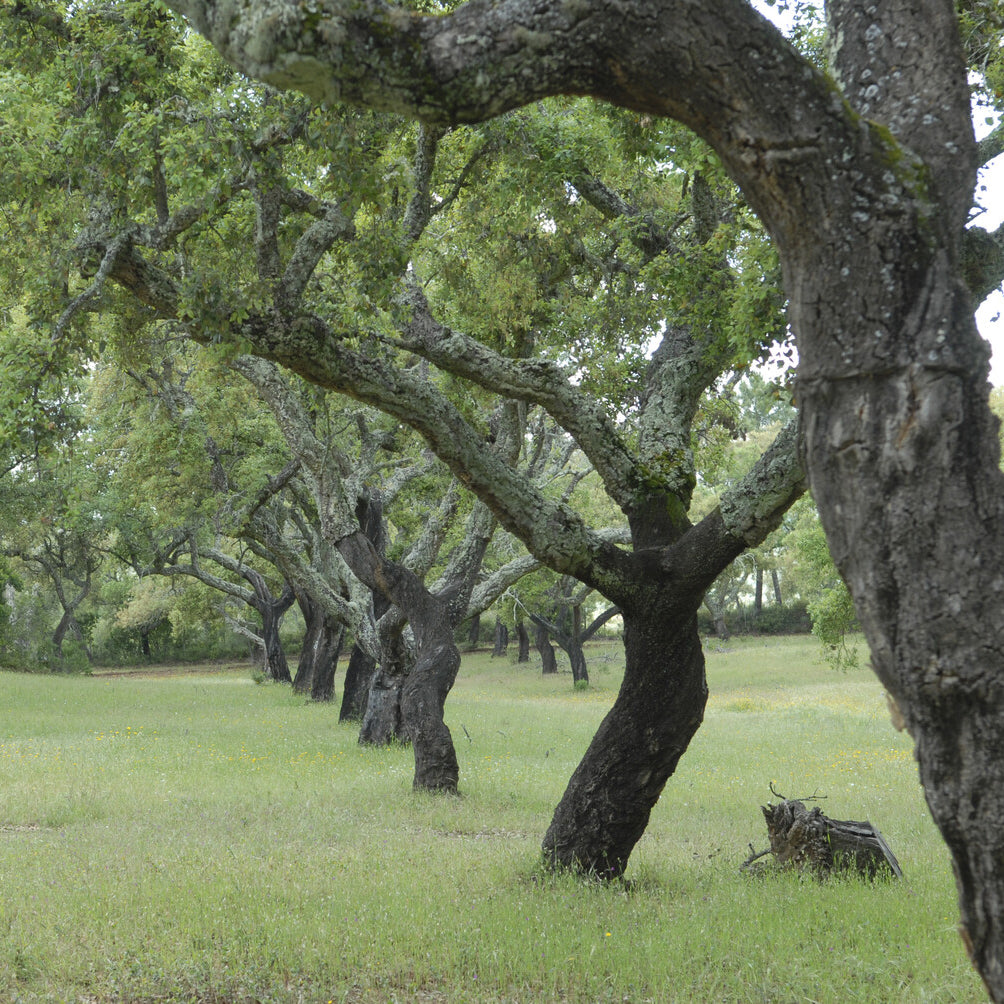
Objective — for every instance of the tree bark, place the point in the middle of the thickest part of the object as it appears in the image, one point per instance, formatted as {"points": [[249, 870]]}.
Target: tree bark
{"points": [[358, 679], [777, 586], [548, 663], [382, 723], [576, 654], [322, 644], [271, 611], [501, 639], [524, 642], [422, 702], [758, 596], [609, 798], [717, 612], [67, 626]]}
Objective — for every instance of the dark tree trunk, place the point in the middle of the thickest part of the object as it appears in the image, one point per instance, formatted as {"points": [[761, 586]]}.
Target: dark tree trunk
{"points": [[777, 586], [606, 806], [524, 642], [322, 644], [474, 633], [501, 639], [576, 655], [358, 678], [382, 723], [67, 626], [144, 643], [542, 640], [271, 612], [312, 621], [422, 702], [758, 598]]}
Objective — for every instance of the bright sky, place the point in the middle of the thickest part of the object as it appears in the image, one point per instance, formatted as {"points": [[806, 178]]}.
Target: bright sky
{"points": [[990, 316]]}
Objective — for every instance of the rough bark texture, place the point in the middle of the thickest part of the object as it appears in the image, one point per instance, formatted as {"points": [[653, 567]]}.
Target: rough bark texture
{"points": [[271, 610], [523, 637], [501, 645], [382, 722], [358, 677], [609, 798], [549, 664], [322, 644], [805, 838]]}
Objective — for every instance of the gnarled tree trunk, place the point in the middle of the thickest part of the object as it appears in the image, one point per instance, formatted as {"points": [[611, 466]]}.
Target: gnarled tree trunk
{"points": [[609, 798], [322, 644]]}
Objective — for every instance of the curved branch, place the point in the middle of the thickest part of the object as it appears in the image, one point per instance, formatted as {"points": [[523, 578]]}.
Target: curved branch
{"points": [[536, 382], [746, 514], [721, 69], [553, 532], [486, 593]]}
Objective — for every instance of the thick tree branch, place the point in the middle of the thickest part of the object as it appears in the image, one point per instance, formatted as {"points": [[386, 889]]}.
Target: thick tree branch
{"points": [[992, 145], [746, 514], [983, 261], [534, 381]]}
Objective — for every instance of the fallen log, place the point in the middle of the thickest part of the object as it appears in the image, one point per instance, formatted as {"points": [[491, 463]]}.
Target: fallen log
{"points": [[805, 838]]}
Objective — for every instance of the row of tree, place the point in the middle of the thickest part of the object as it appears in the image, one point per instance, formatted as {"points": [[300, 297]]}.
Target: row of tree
{"points": [[563, 284]]}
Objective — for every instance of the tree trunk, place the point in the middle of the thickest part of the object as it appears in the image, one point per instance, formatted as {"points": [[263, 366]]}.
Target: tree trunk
{"points": [[606, 806], [577, 658], [144, 643], [275, 665], [718, 619], [758, 597], [422, 702], [67, 626], [358, 678], [312, 621], [524, 642], [322, 644], [542, 640], [474, 634], [777, 586], [576, 655], [382, 723], [501, 639]]}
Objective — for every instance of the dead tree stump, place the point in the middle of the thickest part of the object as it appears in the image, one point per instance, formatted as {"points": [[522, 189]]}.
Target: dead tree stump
{"points": [[805, 838]]}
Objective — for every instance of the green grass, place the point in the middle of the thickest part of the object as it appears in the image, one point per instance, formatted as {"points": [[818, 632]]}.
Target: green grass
{"points": [[199, 838]]}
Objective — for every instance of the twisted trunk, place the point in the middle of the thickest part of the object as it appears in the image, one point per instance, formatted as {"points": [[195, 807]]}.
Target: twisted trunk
{"points": [[271, 611], [423, 699], [322, 644], [660, 706]]}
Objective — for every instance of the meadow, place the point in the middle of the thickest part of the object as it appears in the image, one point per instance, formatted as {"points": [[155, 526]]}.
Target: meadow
{"points": [[197, 837]]}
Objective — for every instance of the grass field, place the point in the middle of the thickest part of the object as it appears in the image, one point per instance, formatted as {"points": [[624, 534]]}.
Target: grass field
{"points": [[196, 837]]}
